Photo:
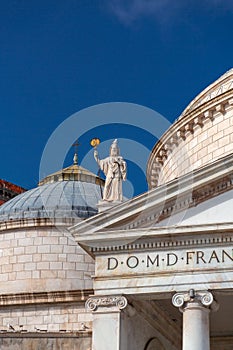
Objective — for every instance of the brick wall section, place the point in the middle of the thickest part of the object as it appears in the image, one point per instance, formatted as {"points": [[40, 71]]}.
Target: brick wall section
{"points": [[205, 145], [50, 318], [42, 259], [8, 191]]}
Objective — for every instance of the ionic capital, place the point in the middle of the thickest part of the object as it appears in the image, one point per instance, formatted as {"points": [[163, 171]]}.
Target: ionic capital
{"points": [[118, 303], [203, 298]]}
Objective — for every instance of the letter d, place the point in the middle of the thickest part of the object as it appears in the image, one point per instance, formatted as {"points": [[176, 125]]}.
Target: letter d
{"points": [[171, 259], [112, 263]]}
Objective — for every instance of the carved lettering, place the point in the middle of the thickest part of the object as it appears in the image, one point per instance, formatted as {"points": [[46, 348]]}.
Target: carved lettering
{"points": [[200, 256], [189, 256], [224, 253], [214, 256], [171, 259], [180, 259], [132, 262], [152, 261], [112, 263]]}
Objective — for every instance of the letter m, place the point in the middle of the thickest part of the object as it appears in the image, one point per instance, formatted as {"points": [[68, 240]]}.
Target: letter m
{"points": [[151, 261]]}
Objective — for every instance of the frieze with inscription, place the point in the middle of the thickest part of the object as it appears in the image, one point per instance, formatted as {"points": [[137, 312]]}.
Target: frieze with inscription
{"points": [[165, 261]]}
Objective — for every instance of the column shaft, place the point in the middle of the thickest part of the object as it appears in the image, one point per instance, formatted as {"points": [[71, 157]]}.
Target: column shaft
{"points": [[195, 308], [196, 327], [106, 331]]}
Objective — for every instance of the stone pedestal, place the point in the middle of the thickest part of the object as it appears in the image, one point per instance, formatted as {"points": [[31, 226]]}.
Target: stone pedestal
{"points": [[195, 308], [106, 321]]}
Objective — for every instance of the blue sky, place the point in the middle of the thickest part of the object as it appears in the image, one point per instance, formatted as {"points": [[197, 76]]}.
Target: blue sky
{"points": [[60, 56]]}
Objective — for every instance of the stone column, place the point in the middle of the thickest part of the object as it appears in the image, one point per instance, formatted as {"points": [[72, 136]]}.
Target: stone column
{"points": [[106, 312], [195, 308]]}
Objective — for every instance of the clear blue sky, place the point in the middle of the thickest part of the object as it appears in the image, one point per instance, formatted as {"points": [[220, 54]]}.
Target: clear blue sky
{"points": [[60, 56]]}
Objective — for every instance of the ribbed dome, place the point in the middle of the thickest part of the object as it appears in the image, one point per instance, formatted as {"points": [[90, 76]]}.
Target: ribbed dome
{"points": [[72, 192]]}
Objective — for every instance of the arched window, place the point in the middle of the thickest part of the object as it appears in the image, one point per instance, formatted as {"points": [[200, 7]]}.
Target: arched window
{"points": [[154, 344]]}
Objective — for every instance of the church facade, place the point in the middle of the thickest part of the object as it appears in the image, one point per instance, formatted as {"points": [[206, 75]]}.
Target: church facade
{"points": [[164, 260], [152, 273]]}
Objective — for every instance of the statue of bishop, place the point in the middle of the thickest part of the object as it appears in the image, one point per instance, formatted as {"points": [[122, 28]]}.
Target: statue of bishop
{"points": [[114, 168]]}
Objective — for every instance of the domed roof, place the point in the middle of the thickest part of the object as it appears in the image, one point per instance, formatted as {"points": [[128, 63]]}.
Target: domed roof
{"points": [[72, 192], [220, 86], [200, 136]]}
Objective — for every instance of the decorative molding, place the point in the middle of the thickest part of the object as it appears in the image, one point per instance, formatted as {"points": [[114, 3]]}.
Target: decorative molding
{"points": [[157, 243], [217, 88], [37, 222], [167, 243], [59, 334], [94, 302], [188, 123], [183, 300], [45, 297]]}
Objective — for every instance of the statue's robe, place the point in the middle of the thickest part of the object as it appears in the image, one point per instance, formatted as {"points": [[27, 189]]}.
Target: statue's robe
{"points": [[114, 169]]}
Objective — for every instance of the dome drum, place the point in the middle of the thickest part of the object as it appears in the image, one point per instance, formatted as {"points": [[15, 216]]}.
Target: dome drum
{"points": [[201, 135]]}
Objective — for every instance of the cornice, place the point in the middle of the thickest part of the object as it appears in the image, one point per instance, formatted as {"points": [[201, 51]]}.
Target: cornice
{"points": [[160, 238], [35, 222], [4, 333], [218, 87], [74, 296], [182, 127]]}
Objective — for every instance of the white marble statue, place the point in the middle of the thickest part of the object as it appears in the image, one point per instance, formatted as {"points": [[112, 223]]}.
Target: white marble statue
{"points": [[114, 168]]}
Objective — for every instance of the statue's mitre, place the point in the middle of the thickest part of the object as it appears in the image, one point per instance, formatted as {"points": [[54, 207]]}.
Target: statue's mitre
{"points": [[115, 143]]}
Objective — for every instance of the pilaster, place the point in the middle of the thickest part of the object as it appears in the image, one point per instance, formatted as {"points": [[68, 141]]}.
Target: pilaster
{"points": [[106, 312]]}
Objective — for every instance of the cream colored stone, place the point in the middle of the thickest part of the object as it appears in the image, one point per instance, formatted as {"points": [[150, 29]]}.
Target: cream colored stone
{"points": [[24, 275], [217, 136], [56, 265], [44, 265], [44, 249], [24, 258]]}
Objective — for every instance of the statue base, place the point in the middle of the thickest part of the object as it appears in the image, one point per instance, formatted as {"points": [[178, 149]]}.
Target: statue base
{"points": [[105, 205]]}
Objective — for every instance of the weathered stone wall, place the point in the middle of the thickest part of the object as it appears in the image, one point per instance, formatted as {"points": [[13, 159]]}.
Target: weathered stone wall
{"points": [[46, 318], [42, 259], [52, 343], [205, 144]]}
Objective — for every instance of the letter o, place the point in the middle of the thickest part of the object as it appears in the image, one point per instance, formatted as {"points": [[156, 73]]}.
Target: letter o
{"points": [[132, 262]]}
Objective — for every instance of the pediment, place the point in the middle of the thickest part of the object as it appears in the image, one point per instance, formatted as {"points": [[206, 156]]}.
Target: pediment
{"points": [[190, 200]]}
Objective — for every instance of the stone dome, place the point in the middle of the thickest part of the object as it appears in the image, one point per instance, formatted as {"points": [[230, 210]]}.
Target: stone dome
{"points": [[72, 192], [201, 135], [37, 252]]}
